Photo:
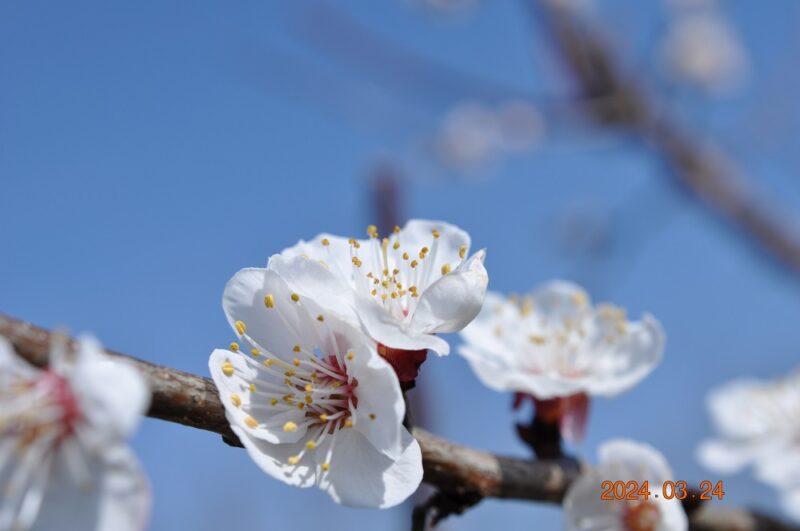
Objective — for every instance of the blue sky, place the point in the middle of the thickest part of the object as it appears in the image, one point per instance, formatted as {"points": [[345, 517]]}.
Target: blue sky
{"points": [[147, 153]]}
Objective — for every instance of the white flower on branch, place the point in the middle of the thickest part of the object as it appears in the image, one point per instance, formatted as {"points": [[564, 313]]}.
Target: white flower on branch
{"points": [[402, 289], [554, 344], [64, 463], [757, 422], [310, 398], [624, 460]]}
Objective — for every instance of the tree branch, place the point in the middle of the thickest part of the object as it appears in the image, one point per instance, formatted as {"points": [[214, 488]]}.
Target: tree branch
{"points": [[460, 473], [698, 167]]}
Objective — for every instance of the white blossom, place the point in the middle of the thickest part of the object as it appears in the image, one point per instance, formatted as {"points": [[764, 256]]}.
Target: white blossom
{"points": [[309, 396], [555, 343], [624, 460], [702, 49], [64, 463], [758, 423], [403, 289]]}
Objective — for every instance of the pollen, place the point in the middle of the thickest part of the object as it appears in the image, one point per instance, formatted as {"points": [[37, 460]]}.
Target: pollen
{"points": [[273, 402], [325, 242], [311, 445], [405, 256], [309, 400], [235, 346], [350, 356], [227, 368], [462, 251], [396, 245], [348, 423], [295, 297], [250, 421], [240, 327], [309, 388], [372, 231], [235, 400], [356, 261], [290, 427], [252, 388], [268, 362], [326, 467], [372, 416], [269, 301], [255, 352], [296, 348], [323, 417], [423, 252], [293, 460], [414, 263], [301, 405], [396, 229], [537, 339], [320, 318], [436, 234], [445, 269]]}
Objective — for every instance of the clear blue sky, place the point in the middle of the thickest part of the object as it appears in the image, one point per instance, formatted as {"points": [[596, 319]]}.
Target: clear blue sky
{"points": [[147, 152]]}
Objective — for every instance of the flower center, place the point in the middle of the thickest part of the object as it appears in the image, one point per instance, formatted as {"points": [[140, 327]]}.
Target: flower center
{"points": [[640, 516], [393, 273]]}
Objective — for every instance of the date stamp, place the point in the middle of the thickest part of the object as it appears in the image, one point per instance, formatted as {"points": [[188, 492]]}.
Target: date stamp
{"points": [[641, 491]]}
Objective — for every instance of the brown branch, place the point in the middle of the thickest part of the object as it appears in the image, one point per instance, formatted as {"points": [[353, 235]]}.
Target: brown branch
{"points": [[463, 475], [699, 168]]}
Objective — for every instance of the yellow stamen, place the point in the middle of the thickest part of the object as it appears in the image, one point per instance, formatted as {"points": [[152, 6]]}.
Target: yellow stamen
{"points": [[445, 269], [326, 466], [290, 427], [235, 346], [250, 421], [372, 231], [296, 349], [227, 368], [295, 297], [269, 301], [293, 460], [372, 416], [323, 417], [348, 423], [325, 242], [235, 400], [255, 352], [273, 402], [462, 251], [311, 445], [435, 234], [320, 318], [309, 388]]}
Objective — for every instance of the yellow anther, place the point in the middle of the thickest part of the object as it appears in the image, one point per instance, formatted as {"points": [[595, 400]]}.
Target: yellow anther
{"points": [[396, 229], [537, 339], [337, 383], [309, 400], [356, 261], [326, 467], [325, 242], [372, 231], [394, 294], [395, 271], [295, 297], [227, 368], [386, 272], [293, 460], [374, 292], [405, 256], [348, 423], [435, 234], [268, 362], [240, 327], [323, 417], [309, 388], [446, 269], [462, 251], [320, 318], [414, 263], [235, 400], [423, 252], [255, 352], [384, 296], [252, 388], [396, 245], [311, 445], [269, 301], [301, 405], [580, 299], [250, 421], [372, 416], [273, 402], [350, 356], [296, 348], [290, 373], [290, 427], [235, 346], [296, 362]]}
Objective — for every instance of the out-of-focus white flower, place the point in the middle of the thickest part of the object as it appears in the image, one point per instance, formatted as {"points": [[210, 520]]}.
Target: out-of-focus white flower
{"points": [[758, 424], [702, 49], [473, 136], [624, 460], [554, 343], [312, 401], [403, 289], [64, 463]]}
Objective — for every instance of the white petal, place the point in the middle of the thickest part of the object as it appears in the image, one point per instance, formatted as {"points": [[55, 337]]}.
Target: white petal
{"points": [[453, 301], [385, 329], [560, 299], [322, 283], [626, 362], [273, 459], [112, 392], [726, 457], [275, 329], [673, 516], [335, 256], [117, 498], [418, 233], [746, 408], [12, 365], [238, 383], [634, 459], [360, 476], [780, 465], [380, 411]]}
